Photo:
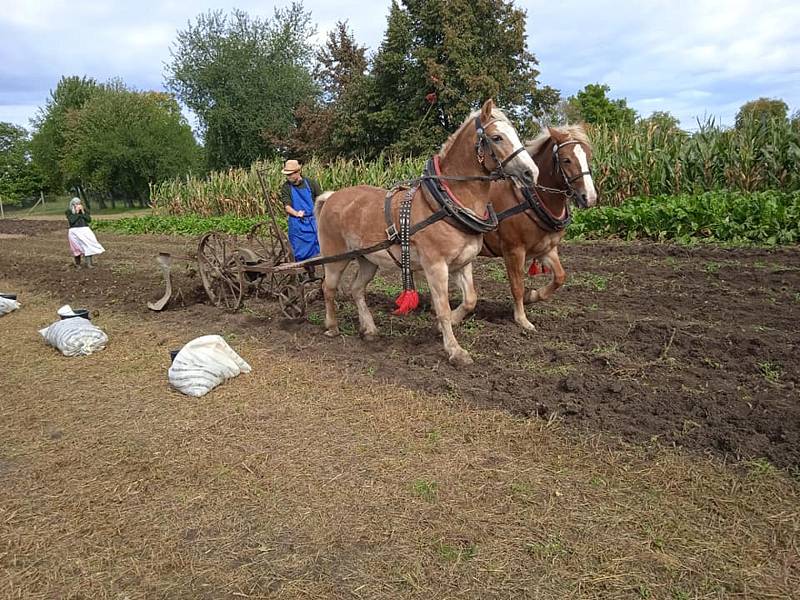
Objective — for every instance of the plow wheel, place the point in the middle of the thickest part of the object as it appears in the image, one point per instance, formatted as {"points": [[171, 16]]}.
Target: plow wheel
{"points": [[292, 299], [221, 269], [272, 248]]}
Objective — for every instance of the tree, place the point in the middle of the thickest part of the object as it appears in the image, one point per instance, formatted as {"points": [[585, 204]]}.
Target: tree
{"points": [[122, 141], [340, 62], [243, 78], [19, 178], [438, 61], [663, 120], [762, 110], [47, 143], [592, 105], [339, 72]]}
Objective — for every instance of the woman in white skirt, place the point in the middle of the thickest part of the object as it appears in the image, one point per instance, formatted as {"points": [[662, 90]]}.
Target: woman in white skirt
{"points": [[82, 241]]}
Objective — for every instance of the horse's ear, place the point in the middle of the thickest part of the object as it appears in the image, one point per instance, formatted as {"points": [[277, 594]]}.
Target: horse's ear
{"points": [[556, 135], [486, 110]]}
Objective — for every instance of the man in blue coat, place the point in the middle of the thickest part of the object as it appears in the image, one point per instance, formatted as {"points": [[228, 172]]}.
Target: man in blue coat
{"points": [[298, 195]]}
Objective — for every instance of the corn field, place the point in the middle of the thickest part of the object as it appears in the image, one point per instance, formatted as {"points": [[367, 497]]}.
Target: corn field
{"points": [[645, 159], [238, 191]]}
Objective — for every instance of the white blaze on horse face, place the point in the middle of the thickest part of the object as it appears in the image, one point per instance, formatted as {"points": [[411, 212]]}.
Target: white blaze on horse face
{"points": [[522, 162], [588, 183]]}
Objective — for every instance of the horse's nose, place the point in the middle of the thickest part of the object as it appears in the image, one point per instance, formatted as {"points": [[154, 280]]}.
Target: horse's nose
{"points": [[528, 178]]}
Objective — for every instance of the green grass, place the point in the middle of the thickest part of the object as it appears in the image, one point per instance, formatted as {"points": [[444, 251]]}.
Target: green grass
{"points": [[427, 490], [183, 225]]}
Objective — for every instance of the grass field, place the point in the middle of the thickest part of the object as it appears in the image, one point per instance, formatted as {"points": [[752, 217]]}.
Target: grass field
{"points": [[311, 478]]}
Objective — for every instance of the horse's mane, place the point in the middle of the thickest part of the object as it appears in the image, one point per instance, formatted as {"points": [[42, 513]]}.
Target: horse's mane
{"points": [[496, 114], [575, 132]]}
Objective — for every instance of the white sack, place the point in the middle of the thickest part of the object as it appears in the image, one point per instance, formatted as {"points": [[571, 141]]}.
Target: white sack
{"points": [[7, 305], [75, 337], [204, 363]]}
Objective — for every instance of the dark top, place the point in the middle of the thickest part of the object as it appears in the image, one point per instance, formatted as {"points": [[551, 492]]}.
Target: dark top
{"points": [[286, 190], [78, 219]]}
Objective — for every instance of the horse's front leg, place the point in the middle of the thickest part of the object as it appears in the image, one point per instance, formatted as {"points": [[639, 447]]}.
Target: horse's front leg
{"points": [[468, 296], [559, 277], [437, 275], [515, 269]]}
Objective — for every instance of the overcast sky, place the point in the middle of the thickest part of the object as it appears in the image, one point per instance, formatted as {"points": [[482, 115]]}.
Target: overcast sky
{"points": [[691, 58]]}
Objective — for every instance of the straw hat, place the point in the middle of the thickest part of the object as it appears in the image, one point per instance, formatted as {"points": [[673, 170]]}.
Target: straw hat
{"points": [[291, 166]]}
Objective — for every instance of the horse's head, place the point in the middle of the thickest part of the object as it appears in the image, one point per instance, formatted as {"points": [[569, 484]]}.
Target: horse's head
{"points": [[572, 155], [499, 148]]}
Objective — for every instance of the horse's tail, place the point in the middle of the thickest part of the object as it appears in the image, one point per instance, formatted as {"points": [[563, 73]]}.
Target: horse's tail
{"points": [[320, 202]]}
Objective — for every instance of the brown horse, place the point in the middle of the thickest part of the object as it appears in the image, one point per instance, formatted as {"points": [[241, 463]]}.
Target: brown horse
{"points": [[353, 218], [563, 156]]}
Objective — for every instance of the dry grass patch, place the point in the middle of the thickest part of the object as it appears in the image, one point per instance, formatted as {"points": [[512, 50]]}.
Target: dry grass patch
{"points": [[302, 481]]}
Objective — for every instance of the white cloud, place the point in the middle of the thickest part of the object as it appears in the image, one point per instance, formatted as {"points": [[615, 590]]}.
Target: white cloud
{"points": [[689, 57]]}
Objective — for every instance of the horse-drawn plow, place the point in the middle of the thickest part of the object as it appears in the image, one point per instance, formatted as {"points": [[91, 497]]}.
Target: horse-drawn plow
{"points": [[260, 264]]}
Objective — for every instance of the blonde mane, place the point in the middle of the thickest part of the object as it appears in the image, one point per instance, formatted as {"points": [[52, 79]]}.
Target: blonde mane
{"points": [[574, 132], [496, 114]]}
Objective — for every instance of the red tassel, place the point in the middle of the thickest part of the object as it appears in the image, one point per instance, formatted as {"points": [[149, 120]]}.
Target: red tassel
{"points": [[535, 269], [406, 302]]}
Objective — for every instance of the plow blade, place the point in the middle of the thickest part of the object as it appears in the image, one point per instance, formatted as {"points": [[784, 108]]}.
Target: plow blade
{"points": [[164, 261]]}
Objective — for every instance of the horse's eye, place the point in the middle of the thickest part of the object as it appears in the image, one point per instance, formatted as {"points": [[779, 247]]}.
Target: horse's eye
{"points": [[497, 138], [567, 161]]}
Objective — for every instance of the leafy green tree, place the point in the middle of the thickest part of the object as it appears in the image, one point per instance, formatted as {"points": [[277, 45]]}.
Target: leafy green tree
{"points": [[19, 178], [47, 143], [339, 72], [762, 109], [122, 141], [243, 78], [592, 105], [663, 119], [438, 61]]}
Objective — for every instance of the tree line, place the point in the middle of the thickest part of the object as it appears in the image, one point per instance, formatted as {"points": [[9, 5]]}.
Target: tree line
{"points": [[260, 88]]}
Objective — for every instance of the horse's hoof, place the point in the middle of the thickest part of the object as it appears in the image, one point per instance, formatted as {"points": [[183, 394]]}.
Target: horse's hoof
{"points": [[331, 333], [532, 297], [461, 359], [369, 336], [527, 326]]}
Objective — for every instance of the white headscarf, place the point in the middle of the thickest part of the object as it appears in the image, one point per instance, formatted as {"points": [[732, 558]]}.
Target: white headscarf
{"points": [[73, 203]]}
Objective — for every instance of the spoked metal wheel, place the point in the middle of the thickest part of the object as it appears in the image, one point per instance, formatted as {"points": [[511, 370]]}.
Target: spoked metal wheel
{"points": [[272, 249], [221, 269], [292, 299]]}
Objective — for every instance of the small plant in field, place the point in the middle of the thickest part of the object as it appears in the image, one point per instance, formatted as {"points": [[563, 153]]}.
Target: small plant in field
{"points": [[770, 371], [606, 349], [434, 436], [379, 284], [591, 280], [549, 550], [761, 467], [680, 595], [644, 591], [712, 267], [316, 318], [427, 490], [797, 297], [456, 552], [496, 272]]}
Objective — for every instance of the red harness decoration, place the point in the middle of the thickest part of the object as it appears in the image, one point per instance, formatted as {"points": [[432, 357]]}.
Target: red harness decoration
{"points": [[406, 302], [535, 269]]}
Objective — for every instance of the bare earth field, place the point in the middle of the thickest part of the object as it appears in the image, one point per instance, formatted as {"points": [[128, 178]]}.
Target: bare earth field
{"points": [[643, 443]]}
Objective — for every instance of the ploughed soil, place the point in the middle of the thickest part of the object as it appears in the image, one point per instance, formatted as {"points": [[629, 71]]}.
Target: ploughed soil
{"points": [[690, 346]]}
